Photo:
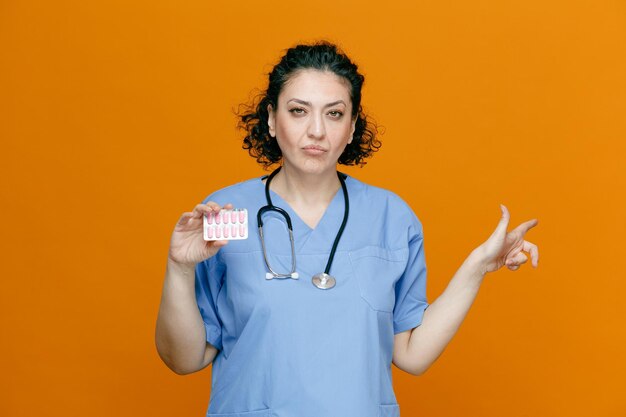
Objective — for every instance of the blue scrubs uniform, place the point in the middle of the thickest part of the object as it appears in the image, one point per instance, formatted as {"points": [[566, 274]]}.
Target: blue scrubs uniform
{"points": [[287, 348]]}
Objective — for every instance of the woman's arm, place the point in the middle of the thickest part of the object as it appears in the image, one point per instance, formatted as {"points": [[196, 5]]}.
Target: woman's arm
{"points": [[180, 334], [415, 350]]}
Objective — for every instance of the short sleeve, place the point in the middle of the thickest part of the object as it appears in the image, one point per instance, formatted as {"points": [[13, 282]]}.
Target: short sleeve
{"points": [[209, 279], [410, 289]]}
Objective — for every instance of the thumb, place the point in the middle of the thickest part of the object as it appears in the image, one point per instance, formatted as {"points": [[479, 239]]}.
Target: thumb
{"points": [[503, 224]]}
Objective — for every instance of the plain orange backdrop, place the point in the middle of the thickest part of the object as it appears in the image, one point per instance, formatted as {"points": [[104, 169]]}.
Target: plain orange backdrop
{"points": [[117, 116]]}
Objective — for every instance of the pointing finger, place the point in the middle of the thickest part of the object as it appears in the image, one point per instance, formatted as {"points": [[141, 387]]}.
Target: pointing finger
{"points": [[526, 226]]}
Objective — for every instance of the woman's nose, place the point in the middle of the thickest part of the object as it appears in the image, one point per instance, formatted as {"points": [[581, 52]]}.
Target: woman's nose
{"points": [[316, 128]]}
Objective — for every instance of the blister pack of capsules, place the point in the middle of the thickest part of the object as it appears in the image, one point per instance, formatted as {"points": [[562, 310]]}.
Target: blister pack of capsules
{"points": [[226, 225]]}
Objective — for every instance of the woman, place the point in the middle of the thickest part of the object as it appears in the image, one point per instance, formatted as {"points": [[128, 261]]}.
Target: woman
{"points": [[293, 341]]}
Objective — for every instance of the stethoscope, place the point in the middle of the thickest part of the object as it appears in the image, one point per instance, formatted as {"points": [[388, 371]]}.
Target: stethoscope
{"points": [[323, 280]]}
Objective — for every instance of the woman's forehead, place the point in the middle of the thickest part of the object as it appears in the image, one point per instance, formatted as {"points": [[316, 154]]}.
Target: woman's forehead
{"points": [[316, 86]]}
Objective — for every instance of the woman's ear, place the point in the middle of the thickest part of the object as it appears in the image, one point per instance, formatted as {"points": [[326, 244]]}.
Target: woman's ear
{"points": [[271, 120], [352, 131]]}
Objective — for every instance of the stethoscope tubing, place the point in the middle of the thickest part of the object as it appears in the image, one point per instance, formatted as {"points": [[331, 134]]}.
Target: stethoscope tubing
{"points": [[343, 224], [271, 207], [259, 215]]}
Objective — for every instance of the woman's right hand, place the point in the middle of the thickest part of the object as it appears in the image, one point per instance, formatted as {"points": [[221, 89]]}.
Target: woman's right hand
{"points": [[187, 246]]}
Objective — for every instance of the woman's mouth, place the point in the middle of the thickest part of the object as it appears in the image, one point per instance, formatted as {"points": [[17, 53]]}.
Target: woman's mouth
{"points": [[313, 150]]}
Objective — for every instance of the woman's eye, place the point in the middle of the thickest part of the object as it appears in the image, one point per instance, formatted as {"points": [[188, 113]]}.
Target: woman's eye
{"points": [[297, 110], [335, 113]]}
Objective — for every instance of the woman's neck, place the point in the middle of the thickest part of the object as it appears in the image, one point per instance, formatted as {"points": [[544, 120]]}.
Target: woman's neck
{"points": [[307, 194], [301, 189]]}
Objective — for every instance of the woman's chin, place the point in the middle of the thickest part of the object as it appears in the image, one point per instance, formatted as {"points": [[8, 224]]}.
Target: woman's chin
{"points": [[316, 166]]}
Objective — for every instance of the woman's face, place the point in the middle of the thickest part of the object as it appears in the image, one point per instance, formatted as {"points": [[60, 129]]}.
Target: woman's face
{"points": [[312, 122]]}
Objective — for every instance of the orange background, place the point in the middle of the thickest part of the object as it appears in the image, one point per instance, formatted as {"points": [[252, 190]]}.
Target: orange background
{"points": [[115, 117]]}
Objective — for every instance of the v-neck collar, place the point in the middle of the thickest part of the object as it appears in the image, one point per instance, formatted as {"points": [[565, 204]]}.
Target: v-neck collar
{"points": [[286, 206], [327, 225]]}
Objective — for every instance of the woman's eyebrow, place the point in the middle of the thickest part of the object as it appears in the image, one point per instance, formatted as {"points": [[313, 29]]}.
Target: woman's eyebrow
{"points": [[307, 103]]}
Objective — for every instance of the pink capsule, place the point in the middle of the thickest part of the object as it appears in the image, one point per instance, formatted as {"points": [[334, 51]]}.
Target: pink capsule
{"points": [[242, 231], [218, 232], [233, 230], [242, 216], [226, 232], [210, 232], [233, 216], [218, 217], [210, 218]]}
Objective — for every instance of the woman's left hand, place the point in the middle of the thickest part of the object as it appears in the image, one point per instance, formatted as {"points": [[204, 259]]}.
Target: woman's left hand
{"points": [[508, 249]]}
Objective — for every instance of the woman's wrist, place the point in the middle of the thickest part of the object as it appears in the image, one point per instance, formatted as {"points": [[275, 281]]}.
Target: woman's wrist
{"points": [[180, 269], [475, 265]]}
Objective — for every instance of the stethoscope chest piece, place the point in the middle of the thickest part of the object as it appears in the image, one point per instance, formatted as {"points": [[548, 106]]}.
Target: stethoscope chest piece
{"points": [[323, 281]]}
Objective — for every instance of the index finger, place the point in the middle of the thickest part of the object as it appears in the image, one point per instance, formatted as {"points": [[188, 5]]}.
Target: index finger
{"points": [[209, 207], [201, 209], [526, 226]]}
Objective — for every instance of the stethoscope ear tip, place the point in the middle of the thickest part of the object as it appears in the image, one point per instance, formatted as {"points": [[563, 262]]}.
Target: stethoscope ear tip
{"points": [[269, 275]]}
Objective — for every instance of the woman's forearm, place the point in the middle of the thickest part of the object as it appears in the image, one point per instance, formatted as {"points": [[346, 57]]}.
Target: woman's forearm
{"points": [[180, 334], [444, 316], [415, 350]]}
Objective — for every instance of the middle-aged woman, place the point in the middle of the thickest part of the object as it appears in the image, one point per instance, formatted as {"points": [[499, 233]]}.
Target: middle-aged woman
{"points": [[309, 327]]}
